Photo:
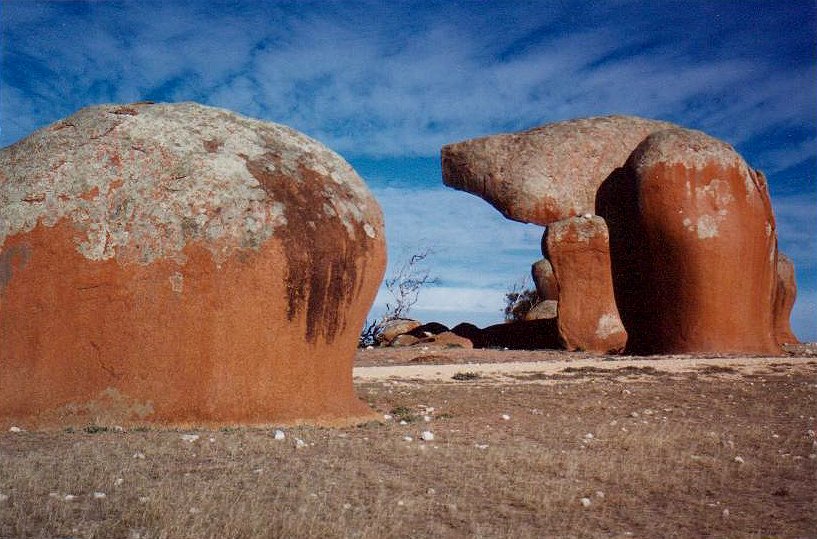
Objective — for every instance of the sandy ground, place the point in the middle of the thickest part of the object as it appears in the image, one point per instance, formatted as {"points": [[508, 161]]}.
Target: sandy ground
{"points": [[442, 365]]}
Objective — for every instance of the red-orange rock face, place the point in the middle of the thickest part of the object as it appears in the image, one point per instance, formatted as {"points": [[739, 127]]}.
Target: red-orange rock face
{"points": [[179, 264], [548, 173], [785, 294], [578, 250], [695, 259], [545, 281]]}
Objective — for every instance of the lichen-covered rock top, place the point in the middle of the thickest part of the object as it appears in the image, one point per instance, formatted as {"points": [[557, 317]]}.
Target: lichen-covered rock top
{"points": [[687, 147], [141, 181], [547, 173]]}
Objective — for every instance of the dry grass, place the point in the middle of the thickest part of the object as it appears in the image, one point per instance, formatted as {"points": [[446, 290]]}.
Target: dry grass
{"points": [[662, 452]]}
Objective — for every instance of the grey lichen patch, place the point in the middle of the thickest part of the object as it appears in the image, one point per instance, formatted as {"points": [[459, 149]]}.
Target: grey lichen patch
{"points": [[15, 257], [689, 148], [177, 282], [608, 324], [142, 181]]}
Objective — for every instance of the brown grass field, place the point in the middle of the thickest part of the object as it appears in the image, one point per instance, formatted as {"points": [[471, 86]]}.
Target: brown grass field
{"points": [[702, 450]]}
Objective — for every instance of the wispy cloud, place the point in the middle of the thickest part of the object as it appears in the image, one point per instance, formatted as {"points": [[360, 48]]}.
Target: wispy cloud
{"points": [[372, 85]]}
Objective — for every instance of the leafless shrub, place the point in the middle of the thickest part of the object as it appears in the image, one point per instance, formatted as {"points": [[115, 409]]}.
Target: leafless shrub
{"points": [[519, 299], [404, 287]]}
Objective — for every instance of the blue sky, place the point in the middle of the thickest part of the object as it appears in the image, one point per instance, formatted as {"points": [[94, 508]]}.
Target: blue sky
{"points": [[386, 84]]}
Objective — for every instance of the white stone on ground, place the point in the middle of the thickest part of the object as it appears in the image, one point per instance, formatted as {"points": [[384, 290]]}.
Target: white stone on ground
{"points": [[15, 429], [3, 497], [190, 437], [427, 436], [299, 443], [279, 435], [69, 497], [506, 417], [739, 460], [139, 455], [100, 495], [118, 481], [585, 502], [408, 438]]}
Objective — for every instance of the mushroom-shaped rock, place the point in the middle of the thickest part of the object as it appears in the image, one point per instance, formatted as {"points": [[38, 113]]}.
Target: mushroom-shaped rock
{"points": [[578, 250], [179, 264], [548, 173], [694, 250], [785, 294]]}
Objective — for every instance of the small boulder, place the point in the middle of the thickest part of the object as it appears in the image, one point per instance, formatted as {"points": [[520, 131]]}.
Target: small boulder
{"points": [[543, 310], [393, 328], [470, 332], [428, 330], [545, 281], [404, 340], [447, 339]]}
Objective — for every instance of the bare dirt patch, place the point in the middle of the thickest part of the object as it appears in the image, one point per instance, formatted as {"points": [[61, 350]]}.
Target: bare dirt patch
{"points": [[656, 451]]}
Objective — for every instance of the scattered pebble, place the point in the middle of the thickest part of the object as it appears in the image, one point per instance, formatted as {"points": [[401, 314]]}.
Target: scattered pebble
{"points": [[403, 422], [588, 436], [401, 503], [481, 446], [505, 417], [139, 455], [299, 443], [69, 497], [725, 513], [212, 440], [387, 417], [408, 438], [143, 499], [585, 502], [3, 497], [190, 437], [775, 436], [279, 435], [347, 506], [599, 494], [426, 418], [100, 495], [427, 436], [53, 494], [431, 492], [15, 429], [258, 471], [370, 347], [118, 428], [739, 459], [118, 481], [195, 511], [633, 414], [810, 433]]}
